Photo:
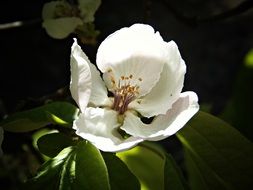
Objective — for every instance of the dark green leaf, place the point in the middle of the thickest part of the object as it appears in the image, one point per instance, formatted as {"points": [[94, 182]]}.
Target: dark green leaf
{"points": [[91, 171], [49, 174], [74, 168], [173, 178], [152, 167], [53, 143], [217, 155], [147, 166], [119, 174], [61, 113], [67, 174], [238, 111]]}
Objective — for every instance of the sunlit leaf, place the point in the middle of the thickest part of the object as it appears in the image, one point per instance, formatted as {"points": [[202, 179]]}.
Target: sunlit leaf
{"points": [[48, 176], [153, 167], [60, 113], [91, 171], [119, 174], [53, 143], [74, 168], [249, 59], [146, 165], [217, 155]]}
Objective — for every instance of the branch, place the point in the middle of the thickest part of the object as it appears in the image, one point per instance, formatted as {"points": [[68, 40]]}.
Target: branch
{"points": [[16, 24]]}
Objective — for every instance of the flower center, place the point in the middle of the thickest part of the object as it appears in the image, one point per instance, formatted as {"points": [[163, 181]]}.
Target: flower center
{"points": [[124, 93]]}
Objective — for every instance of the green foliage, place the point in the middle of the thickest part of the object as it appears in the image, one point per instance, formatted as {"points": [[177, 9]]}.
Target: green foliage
{"points": [[238, 111], [53, 143], [173, 178], [91, 171], [119, 174], [82, 167], [60, 113], [249, 59], [79, 167], [153, 167], [217, 156], [48, 176]]}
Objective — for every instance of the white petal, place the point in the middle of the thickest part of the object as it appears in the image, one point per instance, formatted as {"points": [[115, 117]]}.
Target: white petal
{"points": [[98, 90], [164, 125], [61, 27], [99, 126], [136, 51], [137, 40], [1, 140], [86, 84], [144, 71], [88, 9], [80, 84], [49, 9], [168, 88]]}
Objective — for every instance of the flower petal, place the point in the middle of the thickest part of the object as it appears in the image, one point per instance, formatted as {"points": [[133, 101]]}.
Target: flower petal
{"points": [[136, 51], [88, 9], [163, 125], [49, 9], [98, 90], [1, 140], [61, 27], [142, 72], [80, 84], [160, 99], [99, 126], [86, 84], [137, 40]]}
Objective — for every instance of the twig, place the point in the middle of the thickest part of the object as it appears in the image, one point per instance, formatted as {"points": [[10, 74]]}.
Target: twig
{"points": [[16, 24]]}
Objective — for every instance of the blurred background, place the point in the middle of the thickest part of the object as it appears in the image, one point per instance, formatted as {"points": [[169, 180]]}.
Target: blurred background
{"points": [[215, 38]]}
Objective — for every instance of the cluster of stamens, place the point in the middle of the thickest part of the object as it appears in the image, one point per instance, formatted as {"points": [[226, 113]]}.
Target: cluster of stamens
{"points": [[124, 93]]}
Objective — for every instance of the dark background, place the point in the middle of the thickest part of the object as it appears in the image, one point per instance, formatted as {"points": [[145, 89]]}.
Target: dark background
{"points": [[213, 37], [33, 64]]}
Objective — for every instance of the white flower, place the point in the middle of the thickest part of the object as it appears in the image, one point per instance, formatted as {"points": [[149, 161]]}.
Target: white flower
{"points": [[142, 78], [61, 18]]}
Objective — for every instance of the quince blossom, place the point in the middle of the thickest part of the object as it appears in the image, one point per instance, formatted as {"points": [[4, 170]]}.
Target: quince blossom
{"points": [[61, 18], [143, 78]]}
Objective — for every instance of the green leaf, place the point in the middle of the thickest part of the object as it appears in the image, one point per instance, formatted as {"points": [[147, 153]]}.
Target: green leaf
{"points": [[119, 174], [48, 175], [53, 143], [217, 155], [238, 111], [153, 167], [173, 178], [60, 113], [74, 168], [91, 171]]}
